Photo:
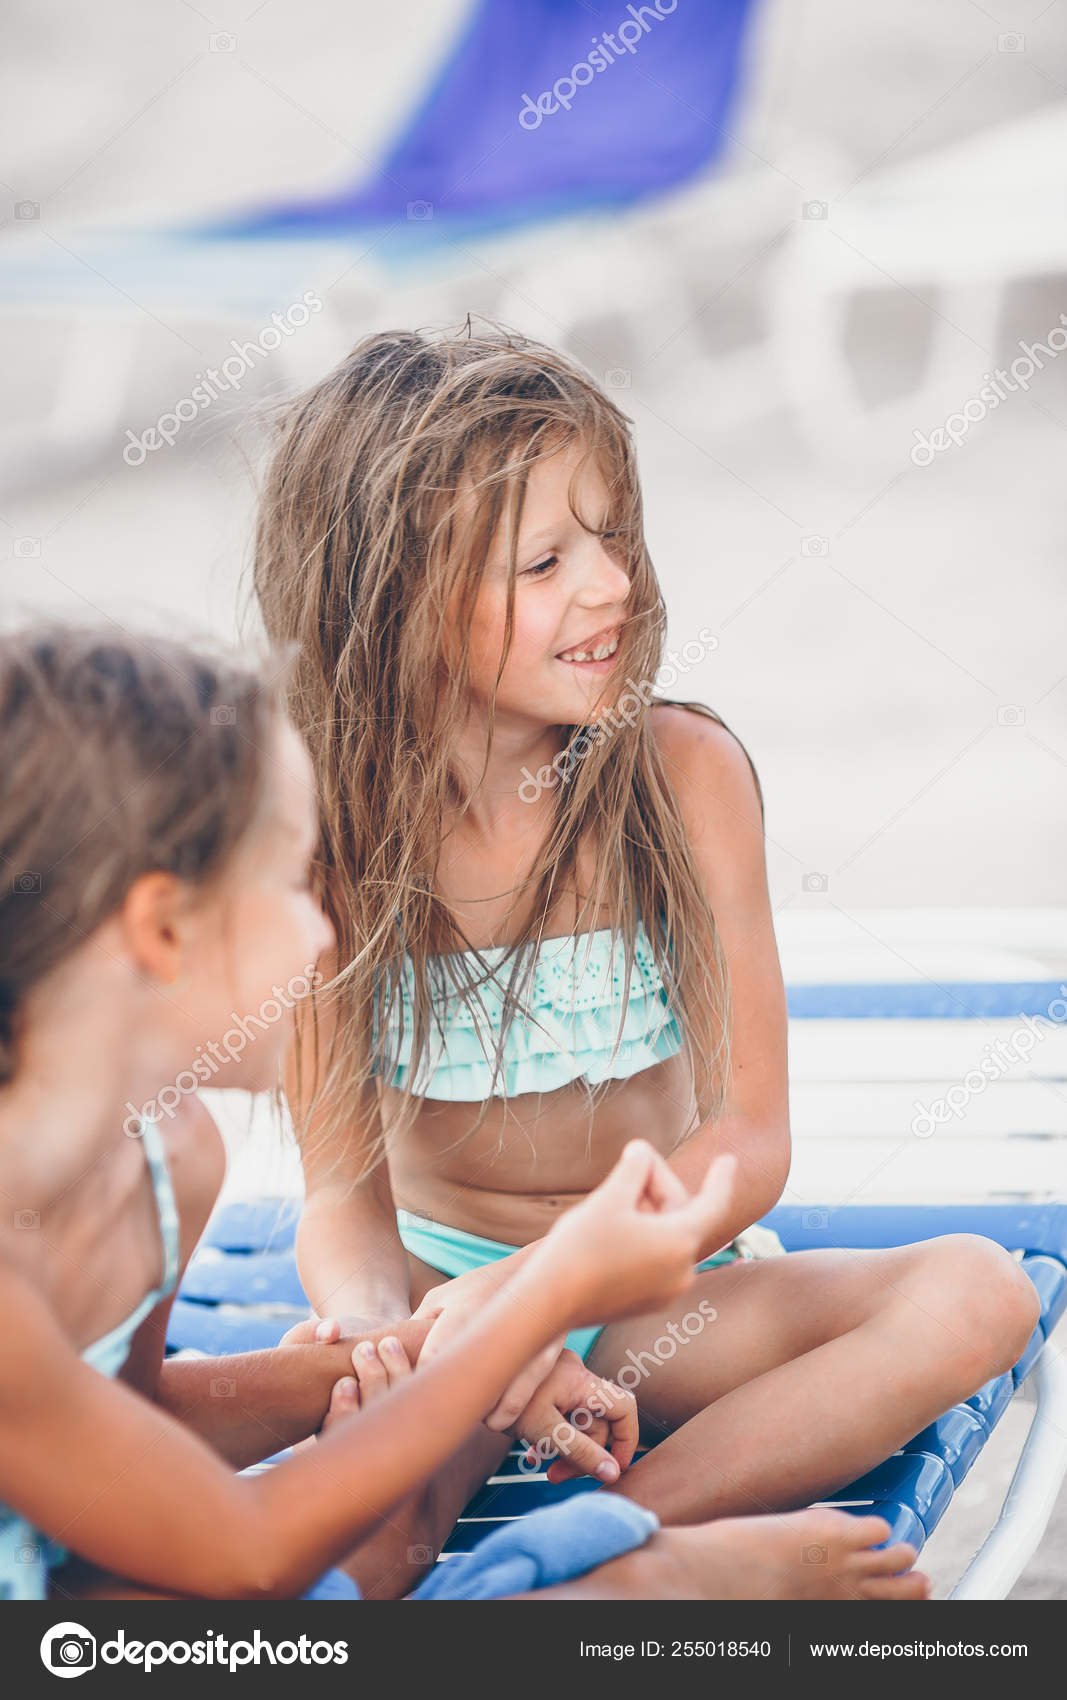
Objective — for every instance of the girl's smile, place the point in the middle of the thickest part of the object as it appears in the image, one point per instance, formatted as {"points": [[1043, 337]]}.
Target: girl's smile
{"points": [[595, 654]]}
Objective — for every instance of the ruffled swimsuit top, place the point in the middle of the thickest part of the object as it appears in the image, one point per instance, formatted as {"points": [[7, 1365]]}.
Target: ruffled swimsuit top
{"points": [[569, 1024]]}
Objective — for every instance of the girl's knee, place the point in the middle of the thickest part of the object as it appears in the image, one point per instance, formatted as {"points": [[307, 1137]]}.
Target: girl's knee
{"points": [[993, 1304]]}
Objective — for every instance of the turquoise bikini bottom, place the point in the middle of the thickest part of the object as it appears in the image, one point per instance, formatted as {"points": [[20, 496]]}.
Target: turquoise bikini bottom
{"points": [[454, 1252]]}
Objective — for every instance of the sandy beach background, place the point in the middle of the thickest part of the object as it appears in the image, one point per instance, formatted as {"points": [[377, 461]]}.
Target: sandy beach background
{"points": [[889, 636]]}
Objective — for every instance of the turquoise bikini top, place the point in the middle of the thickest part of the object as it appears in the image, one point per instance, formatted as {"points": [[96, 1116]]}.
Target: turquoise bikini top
{"points": [[568, 1028], [27, 1555]]}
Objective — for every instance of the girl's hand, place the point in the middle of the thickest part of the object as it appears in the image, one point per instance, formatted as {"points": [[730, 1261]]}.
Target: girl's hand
{"points": [[452, 1305], [633, 1244], [375, 1370], [327, 1330], [587, 1425]]}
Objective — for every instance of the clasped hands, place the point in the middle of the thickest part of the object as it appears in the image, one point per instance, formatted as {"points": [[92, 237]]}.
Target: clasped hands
{"points": [[562, 1412]]}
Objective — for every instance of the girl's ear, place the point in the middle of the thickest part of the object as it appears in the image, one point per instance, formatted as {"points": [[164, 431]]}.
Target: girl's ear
{"points": [[153, 919]]}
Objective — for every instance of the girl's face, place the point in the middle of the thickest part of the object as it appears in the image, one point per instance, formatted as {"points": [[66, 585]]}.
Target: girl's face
{"points": [[253, 949], [570, 596]]}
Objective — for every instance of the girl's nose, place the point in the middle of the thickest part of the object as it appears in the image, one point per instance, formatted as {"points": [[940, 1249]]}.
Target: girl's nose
{"points": [[608, 581]]}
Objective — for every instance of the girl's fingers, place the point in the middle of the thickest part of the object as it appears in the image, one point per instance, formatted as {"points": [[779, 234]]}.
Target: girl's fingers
{"points": [[369, 1371], [562, 1470], [328, 1330], [620, 1411], [344, 1402], [517, 1397], [663, 1188], [626, 1182], [394, 1359], [582, 1453], [706, 1209]]}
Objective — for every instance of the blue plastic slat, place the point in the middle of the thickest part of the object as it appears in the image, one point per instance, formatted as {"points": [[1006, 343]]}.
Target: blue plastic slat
{"points": [[903, 1523], [262, 1224], [515, 1499], [1050, 1278], [992, 1400], [1034, 1346], [922, 1000], [465, 1536], [956, 1438], [1026, 1227], [270, 1225], [908, 1478], [263, 1278], [222, 1332]]}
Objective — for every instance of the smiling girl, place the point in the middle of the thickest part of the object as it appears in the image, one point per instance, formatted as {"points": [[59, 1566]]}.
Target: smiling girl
{"points": [[452, 530]]}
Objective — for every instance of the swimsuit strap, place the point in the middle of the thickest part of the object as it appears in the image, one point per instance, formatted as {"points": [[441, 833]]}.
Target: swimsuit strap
{"points": [[169, 1224]]}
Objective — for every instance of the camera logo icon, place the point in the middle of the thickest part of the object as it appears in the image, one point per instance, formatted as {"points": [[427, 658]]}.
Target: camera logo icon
{"points": [[1011, 714], [816, 209], [223, 716], [27, 209], [420, 209], [68, 1649], [26, 882], [27, 548], [815, 882], [815, 546], [222, 42], [1011, 42]]}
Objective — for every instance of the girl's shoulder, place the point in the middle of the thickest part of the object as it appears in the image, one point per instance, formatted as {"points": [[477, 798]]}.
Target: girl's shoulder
{"points": [[196, 1158], [704, 758]]}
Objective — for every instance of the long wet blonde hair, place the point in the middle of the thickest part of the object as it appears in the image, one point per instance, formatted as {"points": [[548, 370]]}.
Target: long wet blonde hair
{"points": [[385, 486]]}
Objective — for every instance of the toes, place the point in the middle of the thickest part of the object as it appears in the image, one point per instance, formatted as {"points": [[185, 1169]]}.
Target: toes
{"points": [[914, 1586], [867, 1531], [888, 1561]]}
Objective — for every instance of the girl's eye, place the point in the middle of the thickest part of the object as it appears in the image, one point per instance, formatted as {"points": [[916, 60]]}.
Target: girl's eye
{"points": [[541, 568]]}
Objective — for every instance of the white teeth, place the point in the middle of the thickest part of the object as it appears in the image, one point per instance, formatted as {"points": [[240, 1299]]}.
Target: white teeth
{"points": [[600, 653]]}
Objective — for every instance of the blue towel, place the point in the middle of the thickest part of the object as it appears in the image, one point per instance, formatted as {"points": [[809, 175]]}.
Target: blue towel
{"points": [[549, 1546]]}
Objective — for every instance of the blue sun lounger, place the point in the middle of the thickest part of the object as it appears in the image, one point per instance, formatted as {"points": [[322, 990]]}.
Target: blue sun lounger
{"points": [[242, 1292]]}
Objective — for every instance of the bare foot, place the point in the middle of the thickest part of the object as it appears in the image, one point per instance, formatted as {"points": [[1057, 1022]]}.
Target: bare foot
{"points": [[805, 1555]]}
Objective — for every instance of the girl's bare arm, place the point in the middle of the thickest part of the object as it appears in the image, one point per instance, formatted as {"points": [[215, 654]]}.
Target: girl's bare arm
{"points": [[348, 1250], [104, 1471], [717, 797]]}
